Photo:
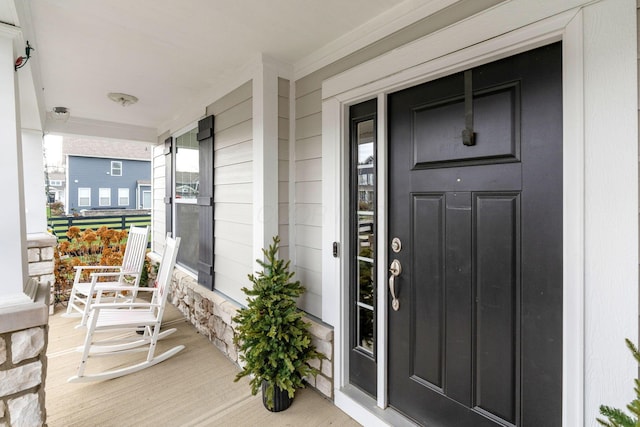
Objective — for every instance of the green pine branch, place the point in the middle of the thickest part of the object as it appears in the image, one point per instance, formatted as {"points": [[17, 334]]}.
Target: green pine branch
{"points": [[617, 417]]}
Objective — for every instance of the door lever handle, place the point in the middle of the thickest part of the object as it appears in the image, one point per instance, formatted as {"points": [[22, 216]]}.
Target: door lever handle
{"points": [[395, 269]]}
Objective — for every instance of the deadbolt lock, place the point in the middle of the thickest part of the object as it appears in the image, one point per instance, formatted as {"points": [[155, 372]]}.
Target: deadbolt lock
{"points": [[396, 245]]}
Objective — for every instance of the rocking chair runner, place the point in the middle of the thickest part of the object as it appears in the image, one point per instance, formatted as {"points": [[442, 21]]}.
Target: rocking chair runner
{"points": [[83, 293], [130, 316]]}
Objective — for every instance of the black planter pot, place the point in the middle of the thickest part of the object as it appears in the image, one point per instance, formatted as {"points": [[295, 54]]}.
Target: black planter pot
{"points": [[281, 399]]}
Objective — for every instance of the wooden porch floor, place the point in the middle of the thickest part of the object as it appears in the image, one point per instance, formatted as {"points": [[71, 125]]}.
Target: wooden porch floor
{"points": [[193, 388]]}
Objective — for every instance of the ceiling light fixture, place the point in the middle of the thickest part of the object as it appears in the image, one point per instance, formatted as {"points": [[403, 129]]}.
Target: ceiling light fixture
{"points": [[60, 113], [122, 98]]}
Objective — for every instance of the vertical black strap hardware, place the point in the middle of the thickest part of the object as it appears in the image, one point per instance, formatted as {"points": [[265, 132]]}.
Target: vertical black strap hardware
{"points": [[468, 136]]}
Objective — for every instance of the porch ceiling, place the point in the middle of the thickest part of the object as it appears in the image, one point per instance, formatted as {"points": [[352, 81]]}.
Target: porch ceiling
{"points": [[167, 52]]}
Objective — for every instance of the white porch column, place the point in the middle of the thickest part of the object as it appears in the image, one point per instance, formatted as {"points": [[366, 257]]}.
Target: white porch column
{"points": [[13, 249], [265, 157], [34, 185]]}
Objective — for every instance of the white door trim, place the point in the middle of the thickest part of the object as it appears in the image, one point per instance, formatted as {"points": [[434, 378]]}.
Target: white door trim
{"points": [[406, 67]]}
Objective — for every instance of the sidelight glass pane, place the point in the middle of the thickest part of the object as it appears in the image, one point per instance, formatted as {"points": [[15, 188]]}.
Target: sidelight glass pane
{"points": [[365, 326], [366, 276], [364, 219]]}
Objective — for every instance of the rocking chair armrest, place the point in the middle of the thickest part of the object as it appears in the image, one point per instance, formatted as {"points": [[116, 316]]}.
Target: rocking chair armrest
{"points": [[108, 288], [96, 267], [114, 274], [100, 306]]}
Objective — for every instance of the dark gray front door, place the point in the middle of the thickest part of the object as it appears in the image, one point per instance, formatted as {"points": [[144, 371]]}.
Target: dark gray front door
{"points": [[477, 337]]}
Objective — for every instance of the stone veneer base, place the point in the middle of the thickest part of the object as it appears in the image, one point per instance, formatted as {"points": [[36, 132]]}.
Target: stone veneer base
{"points": [[23, 361]]}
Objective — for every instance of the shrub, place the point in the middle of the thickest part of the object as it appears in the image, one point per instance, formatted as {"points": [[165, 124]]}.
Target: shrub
{"points": [[102, 247]]}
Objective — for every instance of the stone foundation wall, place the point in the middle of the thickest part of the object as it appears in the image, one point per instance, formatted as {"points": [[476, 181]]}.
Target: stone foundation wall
{"points": [[23, 362], [211, 315], [40, 247]]}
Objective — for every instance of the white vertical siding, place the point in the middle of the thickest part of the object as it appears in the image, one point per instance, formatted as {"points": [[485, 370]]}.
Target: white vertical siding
{"points": [[233, 190]]}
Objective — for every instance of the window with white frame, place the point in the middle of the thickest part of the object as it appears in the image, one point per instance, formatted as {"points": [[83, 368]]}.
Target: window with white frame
{"points": [[123, 197], [116, 168], [55, 182], [84, 196], [146, 199], [104, 196]]}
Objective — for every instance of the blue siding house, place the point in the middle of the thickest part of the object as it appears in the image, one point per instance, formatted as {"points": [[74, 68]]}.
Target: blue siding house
{"points": [[107, 183], [105, 174]]}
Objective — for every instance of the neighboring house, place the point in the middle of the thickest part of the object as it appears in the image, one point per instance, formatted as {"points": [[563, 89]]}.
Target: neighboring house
{"points": [[56, 186], [455, 183], [104, 175], [99, 183]]}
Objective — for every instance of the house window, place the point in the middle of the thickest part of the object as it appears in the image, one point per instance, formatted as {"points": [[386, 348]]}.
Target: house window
{"points": [[84, 196], [189, 198], [55, 182], [116, 168], [104, 197], [146, 199], [123, 197], [186, 189]]}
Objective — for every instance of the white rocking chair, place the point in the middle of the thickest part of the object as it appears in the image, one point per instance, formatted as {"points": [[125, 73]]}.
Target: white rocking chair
{"points": [[130, 316], [83, 293]]}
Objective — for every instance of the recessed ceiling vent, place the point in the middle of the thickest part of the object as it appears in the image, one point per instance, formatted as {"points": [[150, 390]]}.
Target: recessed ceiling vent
{"points": [[122, 98]]}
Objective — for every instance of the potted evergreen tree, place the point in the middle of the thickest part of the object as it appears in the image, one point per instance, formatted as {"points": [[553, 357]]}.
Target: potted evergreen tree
{"points": [[272, 337]]}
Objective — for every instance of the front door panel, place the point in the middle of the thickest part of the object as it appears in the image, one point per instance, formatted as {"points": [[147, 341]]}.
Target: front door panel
{"points": [[477, 340]]}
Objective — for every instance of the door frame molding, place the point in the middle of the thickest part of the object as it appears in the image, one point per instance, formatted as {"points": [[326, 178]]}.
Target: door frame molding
{"points": [[461, 46]]}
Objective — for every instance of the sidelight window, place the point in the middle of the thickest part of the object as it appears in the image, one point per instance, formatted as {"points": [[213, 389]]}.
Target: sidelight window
{"points": [[363, 253]]}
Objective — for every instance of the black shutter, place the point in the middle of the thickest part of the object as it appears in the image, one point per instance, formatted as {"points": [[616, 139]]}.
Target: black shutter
{"points": [[205, 203], [168, 183]]}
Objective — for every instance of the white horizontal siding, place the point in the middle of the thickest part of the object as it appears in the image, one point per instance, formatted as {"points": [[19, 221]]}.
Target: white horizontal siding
{"points": [[307, 105], [311, 300], [283, 167], [307, 188], [234, 154], [308, 191], [233, 116], [309, 170], [225, 247], [283, 192], [233, 174], [309, 236], [308, 214], [309, 148], [234, 212], [309, 126], [239, 133], [233, 191], [158, 215]]}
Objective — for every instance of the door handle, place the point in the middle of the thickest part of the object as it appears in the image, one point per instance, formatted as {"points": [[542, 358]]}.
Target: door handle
{"points": [[395, 269]]}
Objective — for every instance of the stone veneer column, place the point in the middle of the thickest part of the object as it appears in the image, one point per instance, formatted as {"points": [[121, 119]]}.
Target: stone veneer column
{"points": [[40, 247], [23, 362]]}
